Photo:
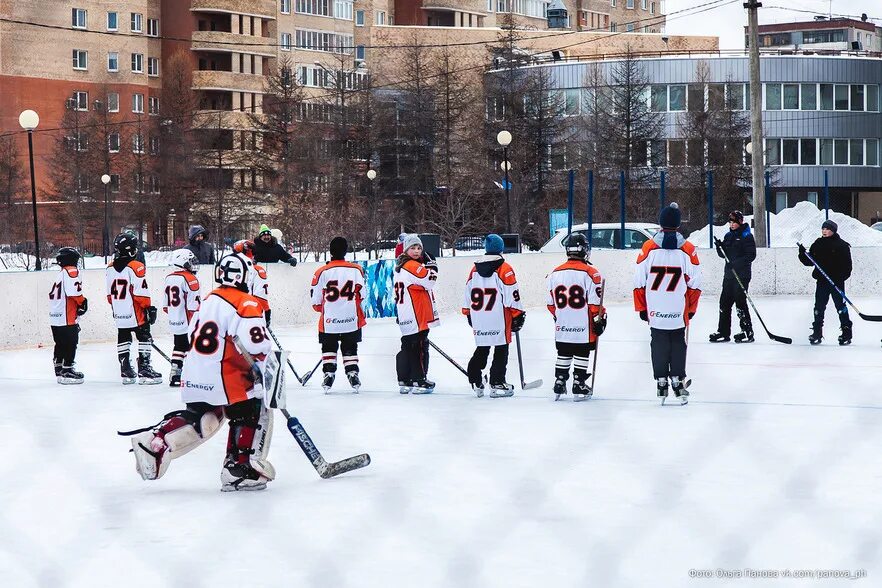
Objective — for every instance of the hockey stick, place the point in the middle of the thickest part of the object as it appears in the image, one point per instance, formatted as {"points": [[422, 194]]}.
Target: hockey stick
{"points": [[309, 374], [524, 385], [160, 351], [324, 468], [867, 317], [778, 338], [290, 365], [448, 358], [597, 342]]}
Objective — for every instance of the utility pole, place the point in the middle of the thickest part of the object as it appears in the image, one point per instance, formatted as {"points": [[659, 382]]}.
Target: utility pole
{"points": [[758, 155]]}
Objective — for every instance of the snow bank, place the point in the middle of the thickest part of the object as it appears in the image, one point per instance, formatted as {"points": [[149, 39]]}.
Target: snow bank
{"points": [[802, 223]]}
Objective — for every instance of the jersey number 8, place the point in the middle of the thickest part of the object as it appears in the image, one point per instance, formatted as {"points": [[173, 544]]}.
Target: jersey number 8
{"points": [[574, 297]]}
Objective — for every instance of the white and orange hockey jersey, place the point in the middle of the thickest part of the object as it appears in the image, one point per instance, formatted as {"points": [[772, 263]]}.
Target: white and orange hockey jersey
{"points": [[414, 300], [127, 293], [181, 300], [491, 300], [214, 371], [574, 290], [65, 297], [336, 294], [667, 283], [260, 287]]}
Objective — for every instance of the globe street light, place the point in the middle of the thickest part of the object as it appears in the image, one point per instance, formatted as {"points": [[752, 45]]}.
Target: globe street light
{"points": [[29, 121], [372, 175], [504, 139], [105, 234]]}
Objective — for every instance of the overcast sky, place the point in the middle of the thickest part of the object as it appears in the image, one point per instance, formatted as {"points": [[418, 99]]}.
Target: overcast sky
{"points": [[727, 22]]}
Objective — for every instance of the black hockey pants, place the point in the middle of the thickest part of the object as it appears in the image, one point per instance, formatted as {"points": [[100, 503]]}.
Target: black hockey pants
{"points": [[823, 292], [66, 340], [497, 367], [412, 361], [668, 352], [733, 294]]}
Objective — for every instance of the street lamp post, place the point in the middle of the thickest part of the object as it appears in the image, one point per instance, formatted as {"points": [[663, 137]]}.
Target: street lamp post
{"points": [[105, 234], [504, 139], [29, 121], [372, 175]]}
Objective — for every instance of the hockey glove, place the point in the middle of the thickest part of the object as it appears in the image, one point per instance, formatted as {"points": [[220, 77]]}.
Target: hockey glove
{"points": [[266, 316], [292, 262], [517, 322], [428, 261], [644, 316], [801, 248], [718, 244], [151, 314], [600, 324], [82, 308]]}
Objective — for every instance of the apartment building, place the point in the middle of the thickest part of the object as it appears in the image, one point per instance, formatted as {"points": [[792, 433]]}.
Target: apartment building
{"points": [[821, 34]]}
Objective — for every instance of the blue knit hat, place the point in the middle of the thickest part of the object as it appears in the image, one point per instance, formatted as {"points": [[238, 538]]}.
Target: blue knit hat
{"points": [[493, 244], [670, 216]]}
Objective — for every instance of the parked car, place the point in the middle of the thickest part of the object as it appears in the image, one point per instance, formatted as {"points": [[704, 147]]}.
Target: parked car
{"points": [[877, 226], [605, 236]]}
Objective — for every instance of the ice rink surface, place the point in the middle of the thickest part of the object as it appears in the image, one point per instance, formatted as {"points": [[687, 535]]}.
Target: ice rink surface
{"points": [[774, 465]]}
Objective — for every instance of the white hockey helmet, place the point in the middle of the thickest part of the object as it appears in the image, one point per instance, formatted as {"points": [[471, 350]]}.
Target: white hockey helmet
{"points": [[236, 271], [185, 259]]}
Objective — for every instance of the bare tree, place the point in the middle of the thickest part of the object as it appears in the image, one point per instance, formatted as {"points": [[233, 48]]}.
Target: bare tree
{"points": [[14, 213]]}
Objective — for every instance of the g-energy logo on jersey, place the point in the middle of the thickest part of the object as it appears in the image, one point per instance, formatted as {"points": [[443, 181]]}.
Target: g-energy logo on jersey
{"points": [[486, 333], [665, 315], [405, 323], [336, 321], [561, 329], [122, 316], [206, 387]]}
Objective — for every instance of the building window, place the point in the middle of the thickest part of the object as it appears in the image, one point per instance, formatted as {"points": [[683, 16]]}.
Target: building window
{"points": [[826, 151], [113, 62], [629, 27], [629, 4], [773, 96], [840, 152], [840, 97], [857, 97], [613, 27], [153, 105], [735, 96], [643, 4], [317, 7], [114, 183], [80, 141], [343, 9], [285, 6], [154, 145], [153, 183], [112, 21], [112, 102], [138, 103], [809, 96], [652, 8], [677, 96], [152, 27], [137, 144], [826, 96], [113, 142], [791, 96], [82, 183], [286, 42], [136, 23], [872, 98], [359, 53], [856, 147], [80, 59], [323, 41], [78, 18], [79, 101], [612, 3], [137, 63], [659, 98], [808, 151], [773, 151], [153, 66], [572, 98], [138, 183], [873, 152], [381, 17], [359, 17]]}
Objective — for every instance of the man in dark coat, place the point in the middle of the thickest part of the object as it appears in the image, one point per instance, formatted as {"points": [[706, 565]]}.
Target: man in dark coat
{"points": [[268, 250], [833, 255], [199, 245], [740, 247]]}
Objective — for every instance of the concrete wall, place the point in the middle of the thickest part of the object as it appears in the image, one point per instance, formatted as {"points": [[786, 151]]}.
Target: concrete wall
{"points": [[24, 307]]}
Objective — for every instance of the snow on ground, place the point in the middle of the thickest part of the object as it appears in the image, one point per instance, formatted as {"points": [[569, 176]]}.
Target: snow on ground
{"points": [[773, 465], [802, 223]]}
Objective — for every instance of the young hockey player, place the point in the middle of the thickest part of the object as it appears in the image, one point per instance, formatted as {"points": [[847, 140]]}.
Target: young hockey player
{"points": [[414, 281], [66, 305], [336, 295], [181, 303], [667, 286], [218, 384], [260, 283], [129, 298], [492, 305], [739, 247], [833, 255], [574, 290]]}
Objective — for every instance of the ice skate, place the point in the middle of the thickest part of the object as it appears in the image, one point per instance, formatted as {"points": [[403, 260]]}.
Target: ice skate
{"points": [[127, 373], [479, 389], [718, 338], [560, 388], [354, 381], [680, 391], [423, 386], [147, 376], [502, 390], [69, 375], [404, 387], [328, 381], [845, 337], [745, 337], [174, 378], [237, 477], [581, 390], [661, 385], [57, 368], [816, 337]]}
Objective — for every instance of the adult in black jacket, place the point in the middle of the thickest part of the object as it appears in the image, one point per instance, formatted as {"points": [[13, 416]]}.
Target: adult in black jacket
{"points": [[740, 247], [268, 250], [833, 255], [199, 245]]}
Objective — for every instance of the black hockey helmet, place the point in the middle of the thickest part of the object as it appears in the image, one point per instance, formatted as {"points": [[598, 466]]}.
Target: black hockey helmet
{"points": [[67, 256], [577, 246], [125, 245]]}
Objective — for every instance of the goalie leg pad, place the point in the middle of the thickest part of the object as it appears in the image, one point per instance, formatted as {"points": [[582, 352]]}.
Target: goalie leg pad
{"points": [[174, 437], [246, 466]]}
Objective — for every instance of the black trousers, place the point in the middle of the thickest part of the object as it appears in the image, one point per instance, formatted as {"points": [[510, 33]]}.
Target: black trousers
{"points": [[575, 354], [668, 352], [412, 362], [66, 340], [179, 351], [479, 361], [348, 345], [124, 341], [823, 292], [732, 294]]}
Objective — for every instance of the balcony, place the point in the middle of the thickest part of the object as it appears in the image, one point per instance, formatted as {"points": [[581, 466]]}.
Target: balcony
{"points": [[262, 8], [228, 81], [234, 120], [229, 42], [472, 6]]}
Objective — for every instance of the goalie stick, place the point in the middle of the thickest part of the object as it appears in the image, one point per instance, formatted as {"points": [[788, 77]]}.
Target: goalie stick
{"points": [[778, 338], [867, 317], [279, 345], [324, 468]]}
